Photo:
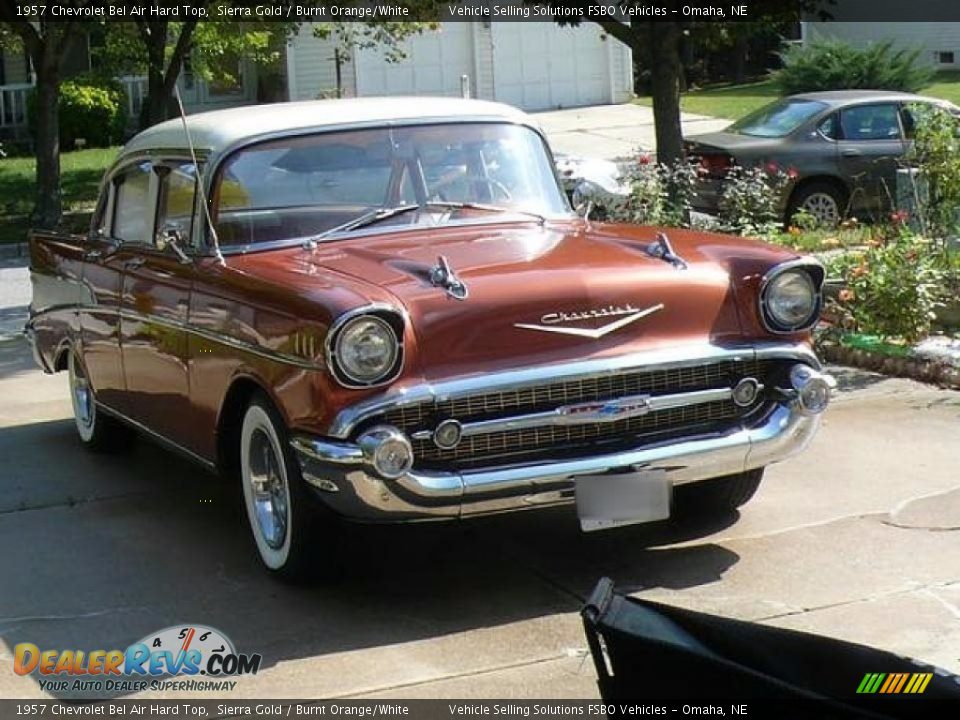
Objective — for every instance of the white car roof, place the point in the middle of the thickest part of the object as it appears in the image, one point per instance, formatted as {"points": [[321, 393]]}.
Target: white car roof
{"points": [[215, 131]]}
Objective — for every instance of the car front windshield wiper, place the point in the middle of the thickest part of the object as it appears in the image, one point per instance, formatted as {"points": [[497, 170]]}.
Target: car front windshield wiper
{"points": [[455, 205], [368, 218], [374, 216]]}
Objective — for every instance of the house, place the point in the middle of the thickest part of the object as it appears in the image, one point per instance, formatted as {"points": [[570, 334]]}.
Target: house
{"points": [[532, 65], [862, 22]]}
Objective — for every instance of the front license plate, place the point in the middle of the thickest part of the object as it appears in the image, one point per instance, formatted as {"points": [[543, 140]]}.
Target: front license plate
{"points": [[615, 499]]}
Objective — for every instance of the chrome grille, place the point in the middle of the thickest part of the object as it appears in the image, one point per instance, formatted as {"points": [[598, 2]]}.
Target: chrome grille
{"points": [[511, 444], [481, 448]]}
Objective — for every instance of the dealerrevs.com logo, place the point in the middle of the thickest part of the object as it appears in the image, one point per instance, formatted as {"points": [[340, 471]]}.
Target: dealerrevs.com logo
{"points": [[205, 655]]}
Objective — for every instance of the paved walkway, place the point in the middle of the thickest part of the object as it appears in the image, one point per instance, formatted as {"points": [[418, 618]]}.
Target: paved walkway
{"points": [[612, 132]]}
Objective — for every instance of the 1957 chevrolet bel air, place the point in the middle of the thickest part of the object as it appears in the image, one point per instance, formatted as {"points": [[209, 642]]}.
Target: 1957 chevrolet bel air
{"points": [[385, 308]]}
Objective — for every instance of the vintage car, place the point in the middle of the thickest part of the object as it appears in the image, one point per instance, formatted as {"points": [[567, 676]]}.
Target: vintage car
{"points": [[385, 308]]}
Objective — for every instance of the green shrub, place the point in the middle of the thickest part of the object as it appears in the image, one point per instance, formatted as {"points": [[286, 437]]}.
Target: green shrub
{"points": [[936, 152], [893, 288], [659, 194], [750, 200], [833, 65], [95, 112]]}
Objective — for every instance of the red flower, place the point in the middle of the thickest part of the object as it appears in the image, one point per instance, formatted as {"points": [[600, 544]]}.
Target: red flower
{"points": [[792, 173], [772, 168], [644, 159], [899, 217]]}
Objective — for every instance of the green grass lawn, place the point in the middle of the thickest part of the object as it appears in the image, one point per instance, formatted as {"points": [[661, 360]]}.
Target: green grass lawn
{"points": [[81, 172], [725, 101], [735, 101]]}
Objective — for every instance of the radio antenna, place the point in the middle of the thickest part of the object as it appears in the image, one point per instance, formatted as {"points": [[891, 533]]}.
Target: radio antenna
{"points": [[196, 165]]}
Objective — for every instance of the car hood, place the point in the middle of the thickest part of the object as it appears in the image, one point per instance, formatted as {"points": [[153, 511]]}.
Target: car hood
{"points": [[537, 294]]}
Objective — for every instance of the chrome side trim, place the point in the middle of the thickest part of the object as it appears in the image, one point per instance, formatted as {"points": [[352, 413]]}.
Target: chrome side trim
{"points": [[591, 412], [210, 335], [162, 439], [682, 356]]}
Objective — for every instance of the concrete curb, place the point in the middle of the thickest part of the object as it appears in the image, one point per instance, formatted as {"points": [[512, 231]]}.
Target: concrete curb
{"points": [[928, 371]]}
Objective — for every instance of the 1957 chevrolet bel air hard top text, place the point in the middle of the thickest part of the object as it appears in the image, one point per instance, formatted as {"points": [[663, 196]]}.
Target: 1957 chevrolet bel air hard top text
{"points": [[386, 309]]}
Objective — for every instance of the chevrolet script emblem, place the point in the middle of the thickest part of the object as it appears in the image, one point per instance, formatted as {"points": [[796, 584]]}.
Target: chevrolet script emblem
{"points": [[626, 316]]}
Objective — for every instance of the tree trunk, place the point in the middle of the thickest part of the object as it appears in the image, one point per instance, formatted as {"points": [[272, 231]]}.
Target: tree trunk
{"points": [[154, 108], [48, 207], [162, 74], [664, 40], [740, 49]]}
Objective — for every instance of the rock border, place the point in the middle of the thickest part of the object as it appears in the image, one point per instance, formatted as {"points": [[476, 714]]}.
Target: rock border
{"points": [[928, 371]]}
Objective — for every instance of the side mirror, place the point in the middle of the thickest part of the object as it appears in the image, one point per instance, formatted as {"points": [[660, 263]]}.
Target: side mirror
{"points": [[171, 238]]}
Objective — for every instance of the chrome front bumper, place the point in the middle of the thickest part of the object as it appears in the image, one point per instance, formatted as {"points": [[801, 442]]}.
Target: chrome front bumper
{"points": [[345, 481]]}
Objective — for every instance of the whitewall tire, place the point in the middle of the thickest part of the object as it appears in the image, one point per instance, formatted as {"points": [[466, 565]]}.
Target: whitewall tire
{"points": [[97, 431], [280, 511]]}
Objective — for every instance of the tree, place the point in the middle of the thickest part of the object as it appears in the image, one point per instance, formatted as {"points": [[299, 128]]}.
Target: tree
{"points": [[47, 44], [159, 49], [388, 37], [661, 39]]}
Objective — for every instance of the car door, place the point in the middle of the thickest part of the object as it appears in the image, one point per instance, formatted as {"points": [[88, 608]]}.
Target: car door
{"points": [[100, 322], [869, 144], [157, 282]]}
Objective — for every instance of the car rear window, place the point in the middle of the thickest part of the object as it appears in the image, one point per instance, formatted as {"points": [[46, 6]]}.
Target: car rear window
{"points": [[778, 119]]}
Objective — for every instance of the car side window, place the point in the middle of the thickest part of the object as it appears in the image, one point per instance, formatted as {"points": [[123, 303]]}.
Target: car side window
{"points": [[829, 127], [132, 215], [870, 122], [176, 199]]}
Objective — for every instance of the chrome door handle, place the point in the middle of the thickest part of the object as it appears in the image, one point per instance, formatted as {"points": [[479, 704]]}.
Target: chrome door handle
{"points": [[851, 153], [92, 255], [133, 263]]}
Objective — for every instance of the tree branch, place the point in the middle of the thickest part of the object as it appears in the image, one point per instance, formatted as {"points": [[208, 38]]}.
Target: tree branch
{"points": [[179, 52]]}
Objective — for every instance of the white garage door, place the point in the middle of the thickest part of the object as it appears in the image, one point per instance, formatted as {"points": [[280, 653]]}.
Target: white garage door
{"points": [[433, 66], [537, 66]]}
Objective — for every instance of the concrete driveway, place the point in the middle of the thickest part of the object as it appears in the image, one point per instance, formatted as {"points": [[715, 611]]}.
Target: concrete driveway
{"points": [[857, 538], [613, 132]]}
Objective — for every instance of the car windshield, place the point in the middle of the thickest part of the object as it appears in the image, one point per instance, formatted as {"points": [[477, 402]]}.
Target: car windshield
{"points": [[778, 119], [303, 187]]}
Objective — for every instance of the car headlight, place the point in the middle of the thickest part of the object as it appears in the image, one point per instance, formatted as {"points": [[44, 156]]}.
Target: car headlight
{"points": [[790, 299], [365, 351]]}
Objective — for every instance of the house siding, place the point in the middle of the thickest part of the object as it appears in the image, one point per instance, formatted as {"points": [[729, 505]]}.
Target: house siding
{"points": [[473, 51], [311, 69], [931, 38], [483, 80]]}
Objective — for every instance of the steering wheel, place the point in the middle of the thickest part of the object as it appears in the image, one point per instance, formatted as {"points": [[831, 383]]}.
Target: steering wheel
{"points": [[493, 186]]}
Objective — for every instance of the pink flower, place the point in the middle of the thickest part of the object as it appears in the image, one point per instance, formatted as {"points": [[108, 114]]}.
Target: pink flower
{"points": [[792, 173], [899, 217], [772, 168]]}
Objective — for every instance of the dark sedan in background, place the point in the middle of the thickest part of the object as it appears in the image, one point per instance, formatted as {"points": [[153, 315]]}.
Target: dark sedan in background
{"points": [[839, 148]]}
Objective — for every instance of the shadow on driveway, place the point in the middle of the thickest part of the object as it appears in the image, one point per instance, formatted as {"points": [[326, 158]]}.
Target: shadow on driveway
{"points": [[99, 551]]}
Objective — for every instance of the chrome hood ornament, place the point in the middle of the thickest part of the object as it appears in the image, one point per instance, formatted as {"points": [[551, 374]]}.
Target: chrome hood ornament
{"points": [[442, 275], [627, 314]]}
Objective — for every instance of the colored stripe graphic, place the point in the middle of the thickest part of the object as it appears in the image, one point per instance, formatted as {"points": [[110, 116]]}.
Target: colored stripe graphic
{"points": [[894, 683]]}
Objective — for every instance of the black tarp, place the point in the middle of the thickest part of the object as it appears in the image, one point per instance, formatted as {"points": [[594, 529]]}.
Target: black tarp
{"points": [[647, 651]]}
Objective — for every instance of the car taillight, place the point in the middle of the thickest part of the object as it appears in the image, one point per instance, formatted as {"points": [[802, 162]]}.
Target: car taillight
{"points": [[715, 164]]}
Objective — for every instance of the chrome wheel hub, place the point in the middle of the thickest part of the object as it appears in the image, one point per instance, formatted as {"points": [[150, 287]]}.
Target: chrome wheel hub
{"points": [[823, 207], [82, 398], [269, 490]]}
